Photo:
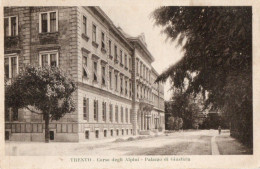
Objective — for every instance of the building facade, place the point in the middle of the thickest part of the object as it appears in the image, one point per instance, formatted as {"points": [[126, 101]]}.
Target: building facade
{"points": [[116, 94]]}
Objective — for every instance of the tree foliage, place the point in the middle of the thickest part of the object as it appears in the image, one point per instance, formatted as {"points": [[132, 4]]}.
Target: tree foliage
{"points": [[183, 106], [45, 91], [217, 45]]}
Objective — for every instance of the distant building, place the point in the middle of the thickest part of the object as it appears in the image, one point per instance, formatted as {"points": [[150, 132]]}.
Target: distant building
{"points": [[116, 93]]}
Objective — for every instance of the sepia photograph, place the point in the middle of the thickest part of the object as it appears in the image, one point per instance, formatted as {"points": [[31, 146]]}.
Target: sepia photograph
{"points": [[127, 83]]}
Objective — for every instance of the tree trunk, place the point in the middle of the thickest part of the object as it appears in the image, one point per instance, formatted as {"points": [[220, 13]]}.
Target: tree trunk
{"points": [[47, 134]]}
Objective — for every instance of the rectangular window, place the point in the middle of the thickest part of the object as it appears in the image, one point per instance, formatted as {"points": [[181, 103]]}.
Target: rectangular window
{"points": [[111, 132], [116, 113], [121, 57], [104, 107], [103, 40], [103, 75], [95, 71], [122, 132], [126, 88], [115, 52], [85, 109], [97, 133], [111, 113], [126, 115], [116, 82], [122, 114], [105, 133], [48, 22], [52, 21], [94, 33], [86, 134], [11, 26], [49, 58], [130, 63], [85, 25], [121, 85], [110, 79], [96, 110], [126, 61], [110, 46], [11, 66], [130, 89], [85, 65]]}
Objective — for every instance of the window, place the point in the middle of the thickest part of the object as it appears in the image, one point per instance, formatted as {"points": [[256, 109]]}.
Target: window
{"points": [[131, 131], [85, 65], [103, 75], [110, 79], [49, 58], [111, 113], [126, 115], [111, 132], [85, 25], [48, 22], [116, 81], [11, 26], [121, 57], [102, 40], [115, 52], [122, 114], [125, 60], [122, 132], [104, 110], [121, 85], [137, 93], [137, 71], [96, 110], [110, 46], [130, 89], [97, 133], [105, 133], [86, 134], [11, 65], [95, 71], [126, 131], [117, 132], [85, 109], [94, 33], [116, 114], [126, 88], [130, 63]]}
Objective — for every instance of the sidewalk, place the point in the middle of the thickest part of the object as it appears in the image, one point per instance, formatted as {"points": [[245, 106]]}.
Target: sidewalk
{"points": [[228, 145]]}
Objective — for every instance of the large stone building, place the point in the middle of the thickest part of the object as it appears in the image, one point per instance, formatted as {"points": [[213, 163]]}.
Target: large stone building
{"points": [[116, 94]]}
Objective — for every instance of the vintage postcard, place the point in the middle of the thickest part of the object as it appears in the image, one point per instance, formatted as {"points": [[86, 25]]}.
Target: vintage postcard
{"points": [[129, 84]]}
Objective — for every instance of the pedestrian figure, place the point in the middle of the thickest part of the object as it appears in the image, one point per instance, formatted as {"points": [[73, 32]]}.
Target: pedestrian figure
{"points": [[219, 130]]}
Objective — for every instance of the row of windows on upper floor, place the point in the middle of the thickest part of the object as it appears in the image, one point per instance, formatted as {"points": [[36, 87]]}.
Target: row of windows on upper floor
{"points": [[143, 71], [106, 116], [49, 23], [123, 57], [51, 58]]}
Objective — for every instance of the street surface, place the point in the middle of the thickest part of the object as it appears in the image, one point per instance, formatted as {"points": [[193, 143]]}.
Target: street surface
{"points": [[200, 142]]}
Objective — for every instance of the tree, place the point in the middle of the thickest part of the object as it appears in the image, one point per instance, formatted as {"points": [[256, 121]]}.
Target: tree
{"points": [[182, 106], [46, 91], [217, 61]]}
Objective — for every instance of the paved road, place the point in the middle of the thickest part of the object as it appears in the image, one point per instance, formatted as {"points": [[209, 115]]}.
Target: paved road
{"points": [[202, 142]]}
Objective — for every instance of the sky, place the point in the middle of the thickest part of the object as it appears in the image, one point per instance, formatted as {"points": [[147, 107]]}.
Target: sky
{"points": [[134, 20]]}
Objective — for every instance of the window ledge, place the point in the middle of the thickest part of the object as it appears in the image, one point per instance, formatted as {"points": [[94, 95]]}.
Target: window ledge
{"points": [[85, 37], [95, 44]]}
